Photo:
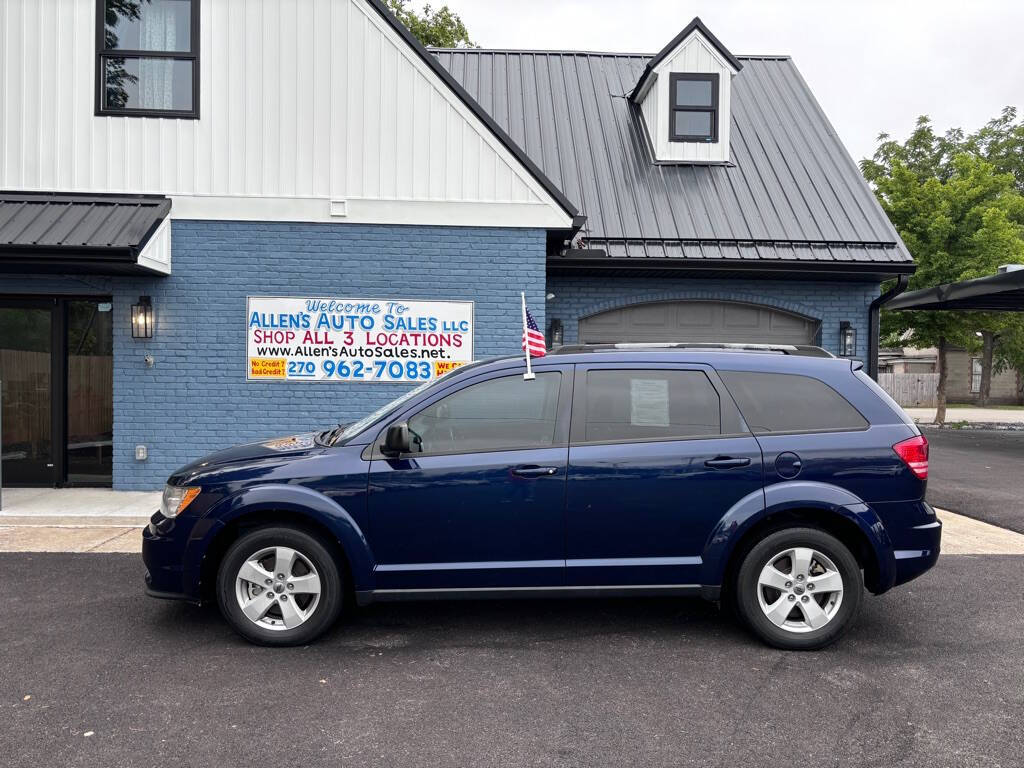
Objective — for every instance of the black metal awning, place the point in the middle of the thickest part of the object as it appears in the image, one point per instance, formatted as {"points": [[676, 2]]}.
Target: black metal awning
{"points": [[78, 233], [1003, 292]]}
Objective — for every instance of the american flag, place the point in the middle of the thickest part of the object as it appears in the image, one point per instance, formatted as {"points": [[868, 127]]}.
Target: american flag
{"points": [[533, 339]]}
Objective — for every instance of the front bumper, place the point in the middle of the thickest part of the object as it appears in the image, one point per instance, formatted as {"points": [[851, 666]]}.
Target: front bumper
{"points": [[165, 544]]}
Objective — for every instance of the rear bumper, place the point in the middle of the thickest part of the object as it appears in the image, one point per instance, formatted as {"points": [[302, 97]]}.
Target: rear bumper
{"points": [[911, 563], [916, 535]]}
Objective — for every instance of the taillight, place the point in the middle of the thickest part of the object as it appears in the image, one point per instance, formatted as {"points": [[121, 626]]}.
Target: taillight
{"points": [[914, 453]]}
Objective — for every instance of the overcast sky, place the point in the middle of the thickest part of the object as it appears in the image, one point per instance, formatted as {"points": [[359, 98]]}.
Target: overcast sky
{"points": [[874, 65]]}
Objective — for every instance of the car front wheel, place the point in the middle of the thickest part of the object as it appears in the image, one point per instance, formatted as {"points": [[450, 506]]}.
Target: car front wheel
{"points": [[279, 586], [799, 589]]}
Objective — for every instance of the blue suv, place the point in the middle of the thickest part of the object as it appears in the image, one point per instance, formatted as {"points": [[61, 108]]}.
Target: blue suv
{"points": [[778, 480]]}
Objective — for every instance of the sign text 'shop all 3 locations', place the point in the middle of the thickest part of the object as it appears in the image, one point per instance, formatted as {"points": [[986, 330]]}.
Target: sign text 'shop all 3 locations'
{"points": [[304, 339]]}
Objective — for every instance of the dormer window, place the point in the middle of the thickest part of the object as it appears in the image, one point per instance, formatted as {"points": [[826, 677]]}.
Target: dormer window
{"points": [[683, 96], [694, 107]]}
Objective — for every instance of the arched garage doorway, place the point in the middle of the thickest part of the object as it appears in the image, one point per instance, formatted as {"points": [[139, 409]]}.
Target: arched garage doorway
{"points": [[698, 321]]}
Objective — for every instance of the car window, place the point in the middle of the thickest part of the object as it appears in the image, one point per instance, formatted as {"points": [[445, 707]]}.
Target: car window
{"points": [[650, 405], [506, 413], [783, 402]]}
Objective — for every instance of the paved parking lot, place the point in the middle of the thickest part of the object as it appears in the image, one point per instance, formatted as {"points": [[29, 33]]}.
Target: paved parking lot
{"points": [[979, 473], [930, 677]]}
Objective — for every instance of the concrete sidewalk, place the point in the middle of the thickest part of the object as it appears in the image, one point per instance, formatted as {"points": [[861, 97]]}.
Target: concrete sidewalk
{"points": [[970, 415], [85, 506], [960, 536]]}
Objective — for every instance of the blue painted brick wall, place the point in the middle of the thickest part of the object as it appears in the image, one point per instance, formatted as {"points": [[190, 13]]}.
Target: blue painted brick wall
{"points": [[829, 302], [196, 399]]}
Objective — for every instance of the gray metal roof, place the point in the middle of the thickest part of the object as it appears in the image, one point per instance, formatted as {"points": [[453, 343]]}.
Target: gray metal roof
{"points": [[41, 229], [790, 193]]}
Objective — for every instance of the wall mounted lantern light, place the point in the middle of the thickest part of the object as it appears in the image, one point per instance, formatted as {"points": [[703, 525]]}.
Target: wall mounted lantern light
{"points": [[556, 333], [847, 339], [142, 318]]}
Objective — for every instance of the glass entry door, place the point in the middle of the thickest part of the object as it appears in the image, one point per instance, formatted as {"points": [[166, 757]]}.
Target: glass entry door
{"points": [[27, 331], [57, 373], [90, 392]]}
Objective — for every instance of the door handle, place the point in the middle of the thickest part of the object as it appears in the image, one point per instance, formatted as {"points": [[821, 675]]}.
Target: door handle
{"points": [[532, 470], [726, 462]]}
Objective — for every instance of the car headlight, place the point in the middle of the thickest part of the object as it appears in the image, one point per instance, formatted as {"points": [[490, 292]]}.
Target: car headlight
{"points": [[176, 498]]}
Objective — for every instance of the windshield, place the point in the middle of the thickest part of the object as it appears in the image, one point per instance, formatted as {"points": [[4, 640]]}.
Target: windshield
{"points": [[356, 427]]}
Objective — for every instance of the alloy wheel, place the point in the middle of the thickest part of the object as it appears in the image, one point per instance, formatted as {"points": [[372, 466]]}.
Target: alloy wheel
{"points": [[800, 590], [278, 588]]}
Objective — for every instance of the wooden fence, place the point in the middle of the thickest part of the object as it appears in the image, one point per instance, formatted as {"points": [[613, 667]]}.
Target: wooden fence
{"points": [[911, 390], [27, 396]]}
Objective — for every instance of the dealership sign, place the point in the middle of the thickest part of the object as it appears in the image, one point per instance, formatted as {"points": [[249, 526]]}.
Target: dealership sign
{"points": [[328, 339]]}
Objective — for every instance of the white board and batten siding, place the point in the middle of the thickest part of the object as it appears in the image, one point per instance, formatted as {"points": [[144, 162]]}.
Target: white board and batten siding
{"points": [[697, 56], [310, 110]]}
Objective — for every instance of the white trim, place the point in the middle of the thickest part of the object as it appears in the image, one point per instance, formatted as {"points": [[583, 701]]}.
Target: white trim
{"points": [[156, 255], [454, 213]]}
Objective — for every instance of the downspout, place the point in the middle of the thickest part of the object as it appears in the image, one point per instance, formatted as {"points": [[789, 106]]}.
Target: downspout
{"points": [[874, 321]]}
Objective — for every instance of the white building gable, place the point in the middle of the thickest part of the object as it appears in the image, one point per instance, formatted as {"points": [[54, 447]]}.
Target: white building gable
{"points": [[311, 110]]}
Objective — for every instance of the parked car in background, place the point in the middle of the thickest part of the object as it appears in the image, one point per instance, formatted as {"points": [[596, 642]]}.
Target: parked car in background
{"points": [[777, 479]]}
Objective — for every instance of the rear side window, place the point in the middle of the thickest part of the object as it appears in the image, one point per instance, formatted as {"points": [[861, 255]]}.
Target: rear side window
{"points": [[650, 405], [783, 402]]}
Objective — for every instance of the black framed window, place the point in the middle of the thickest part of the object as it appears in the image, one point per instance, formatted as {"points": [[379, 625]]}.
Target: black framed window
{"points": [[693, 107], [147, 58]]}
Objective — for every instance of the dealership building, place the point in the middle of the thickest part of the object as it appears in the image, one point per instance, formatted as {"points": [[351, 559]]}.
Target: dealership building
{"points": [[221, 222]]}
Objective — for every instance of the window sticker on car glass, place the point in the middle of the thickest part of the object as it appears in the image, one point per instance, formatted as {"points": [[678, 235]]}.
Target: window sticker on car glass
{"points": [[648, 402]]}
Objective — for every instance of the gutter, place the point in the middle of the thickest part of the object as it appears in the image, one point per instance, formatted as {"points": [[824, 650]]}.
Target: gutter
{"points": [[874, 321]]}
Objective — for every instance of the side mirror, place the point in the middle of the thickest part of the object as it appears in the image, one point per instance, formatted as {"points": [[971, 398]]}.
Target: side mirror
{"points": [[397, 440]]}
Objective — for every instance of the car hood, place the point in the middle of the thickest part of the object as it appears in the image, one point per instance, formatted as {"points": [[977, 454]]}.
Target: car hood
{"points": [[248, 454]]}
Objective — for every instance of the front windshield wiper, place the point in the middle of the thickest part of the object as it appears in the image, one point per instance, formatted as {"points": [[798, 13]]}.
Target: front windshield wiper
{"points": [[327, 437]]}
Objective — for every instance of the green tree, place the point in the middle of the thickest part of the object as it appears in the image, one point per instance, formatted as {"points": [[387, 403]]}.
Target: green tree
{"points": [[960, 219], [1001, 142], [440, 28]]}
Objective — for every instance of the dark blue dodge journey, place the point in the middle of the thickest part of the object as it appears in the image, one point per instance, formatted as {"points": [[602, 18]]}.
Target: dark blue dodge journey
{"points": [[779, 480]]}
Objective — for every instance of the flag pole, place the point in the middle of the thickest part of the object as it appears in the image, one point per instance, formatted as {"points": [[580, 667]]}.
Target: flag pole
{"points": [[526, 346]]}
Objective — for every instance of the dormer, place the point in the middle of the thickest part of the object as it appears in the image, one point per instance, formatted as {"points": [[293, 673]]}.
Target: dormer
{"points": [[684, 97]]}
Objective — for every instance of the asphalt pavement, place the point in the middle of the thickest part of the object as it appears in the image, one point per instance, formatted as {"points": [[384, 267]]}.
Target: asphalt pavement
{"points": [[978, 473], [95, 674]]}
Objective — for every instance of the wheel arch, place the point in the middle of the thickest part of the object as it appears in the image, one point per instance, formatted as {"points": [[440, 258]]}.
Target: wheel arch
{"points": [[292, 506], [817, 505]]}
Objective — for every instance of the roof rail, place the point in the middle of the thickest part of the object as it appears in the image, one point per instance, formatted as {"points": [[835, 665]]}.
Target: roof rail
{"points": [[802, 350]]}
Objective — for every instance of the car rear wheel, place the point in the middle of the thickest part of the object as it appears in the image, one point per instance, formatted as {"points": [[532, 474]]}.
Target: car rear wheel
{"points": [[799, 589], [279, 586]]}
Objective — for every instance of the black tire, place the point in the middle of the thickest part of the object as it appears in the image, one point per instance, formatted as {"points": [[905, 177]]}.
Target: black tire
{"points": [[326, 609], [746, 591]]}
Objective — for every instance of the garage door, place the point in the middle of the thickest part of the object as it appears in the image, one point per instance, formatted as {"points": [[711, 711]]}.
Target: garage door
{"points": [[698, 321]]}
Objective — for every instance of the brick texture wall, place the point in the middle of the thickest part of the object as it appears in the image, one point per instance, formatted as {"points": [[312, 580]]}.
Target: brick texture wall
{"points": [[195, 398], [829, 302]]}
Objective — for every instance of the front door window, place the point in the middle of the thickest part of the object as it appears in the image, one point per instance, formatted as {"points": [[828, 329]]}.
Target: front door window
{"points": [[90, 371]]}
